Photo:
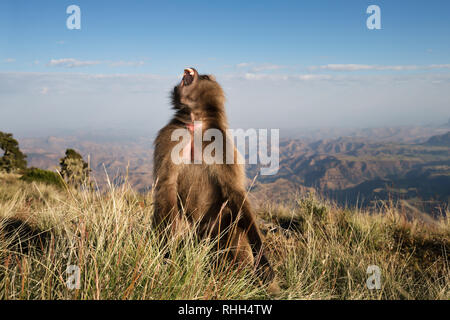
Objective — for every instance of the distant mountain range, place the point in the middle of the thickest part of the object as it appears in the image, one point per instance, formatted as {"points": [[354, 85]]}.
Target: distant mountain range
{"points": [[367, 165], [442, 140], [108, 158], [356, 171]]}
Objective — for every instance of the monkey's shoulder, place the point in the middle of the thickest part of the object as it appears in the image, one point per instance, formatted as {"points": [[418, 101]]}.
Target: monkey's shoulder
{"points": [[164, 134]]}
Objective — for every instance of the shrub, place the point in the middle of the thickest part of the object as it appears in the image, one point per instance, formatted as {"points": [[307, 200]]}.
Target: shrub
{"points": [[44, 176]]}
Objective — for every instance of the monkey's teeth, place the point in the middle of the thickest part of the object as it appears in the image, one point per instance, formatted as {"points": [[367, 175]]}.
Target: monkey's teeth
{"points": [[191, 72]]}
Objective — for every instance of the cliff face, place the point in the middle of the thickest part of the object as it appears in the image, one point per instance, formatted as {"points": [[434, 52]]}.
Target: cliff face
{"points": [[441, 140]]}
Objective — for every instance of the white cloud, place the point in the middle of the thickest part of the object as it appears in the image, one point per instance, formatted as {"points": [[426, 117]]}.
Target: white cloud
{"points": [[9, 60], [243, 64], [279, 77], [127, 63], [73, 100], [71, 63], [336, 79], [260, 67], [267, 67], [60, 84], [263, 76], [259, 100], [362, 67], [439, 66], [74, 63], [308, 77]]}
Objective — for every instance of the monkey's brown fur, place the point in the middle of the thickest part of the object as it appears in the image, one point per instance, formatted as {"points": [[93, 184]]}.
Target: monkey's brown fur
{"points": [[210, 196]]}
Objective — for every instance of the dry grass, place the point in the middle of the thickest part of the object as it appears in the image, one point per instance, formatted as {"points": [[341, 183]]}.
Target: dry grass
{"points": [[319, 251]]}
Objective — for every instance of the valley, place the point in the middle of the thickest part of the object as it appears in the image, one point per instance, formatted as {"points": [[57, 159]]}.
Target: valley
{"points": [[361, 169]]}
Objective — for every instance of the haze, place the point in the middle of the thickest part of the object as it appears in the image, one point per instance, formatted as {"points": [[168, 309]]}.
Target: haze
{"points": [[282, 64]]}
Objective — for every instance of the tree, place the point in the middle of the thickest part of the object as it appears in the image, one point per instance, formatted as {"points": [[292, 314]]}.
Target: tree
{"points": [[13, 159], [74, 169]]}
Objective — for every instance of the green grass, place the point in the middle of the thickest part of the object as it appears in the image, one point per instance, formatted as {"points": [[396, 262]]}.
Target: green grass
{"points": [[43, 176], [319, 251]]}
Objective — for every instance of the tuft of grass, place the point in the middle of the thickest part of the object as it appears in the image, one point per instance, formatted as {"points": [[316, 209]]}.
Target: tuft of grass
{"points": [[108, 237], [318, 250]]}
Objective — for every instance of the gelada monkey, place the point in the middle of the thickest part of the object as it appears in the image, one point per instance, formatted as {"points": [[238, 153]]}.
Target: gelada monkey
{"points": [[211, 196]]}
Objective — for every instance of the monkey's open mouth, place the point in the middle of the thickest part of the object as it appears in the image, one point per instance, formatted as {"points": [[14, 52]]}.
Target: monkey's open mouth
{"points": [[188, 77]]}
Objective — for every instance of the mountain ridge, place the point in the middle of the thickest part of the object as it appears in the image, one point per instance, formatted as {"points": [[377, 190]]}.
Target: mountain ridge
{"points": [[349, 170]]}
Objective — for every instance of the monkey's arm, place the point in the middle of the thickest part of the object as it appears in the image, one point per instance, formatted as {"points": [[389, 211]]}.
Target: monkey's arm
{"points": [[165, 199], [165, 173], [230, 177]]}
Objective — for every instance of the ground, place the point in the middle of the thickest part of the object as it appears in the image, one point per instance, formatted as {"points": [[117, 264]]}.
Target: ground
{"points": [[318, 250]]}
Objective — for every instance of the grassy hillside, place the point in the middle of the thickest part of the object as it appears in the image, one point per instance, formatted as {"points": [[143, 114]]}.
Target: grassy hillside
{"points": [[319, 251]]}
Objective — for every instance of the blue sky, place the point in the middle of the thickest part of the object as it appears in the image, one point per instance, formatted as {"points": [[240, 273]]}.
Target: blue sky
{"points": [[283, 64]]}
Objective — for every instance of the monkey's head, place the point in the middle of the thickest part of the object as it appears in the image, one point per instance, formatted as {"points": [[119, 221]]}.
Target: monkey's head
{"points": [[197, 92]]}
